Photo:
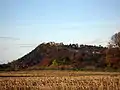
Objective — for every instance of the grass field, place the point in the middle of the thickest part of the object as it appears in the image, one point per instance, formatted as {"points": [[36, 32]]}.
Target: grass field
{"points": [[59, 80]]}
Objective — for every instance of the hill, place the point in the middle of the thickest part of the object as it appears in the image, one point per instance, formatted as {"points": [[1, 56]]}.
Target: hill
{"points": [[59, 56]]}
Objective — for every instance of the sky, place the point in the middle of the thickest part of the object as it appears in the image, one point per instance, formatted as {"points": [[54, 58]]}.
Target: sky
{"points": [[24, 24]]}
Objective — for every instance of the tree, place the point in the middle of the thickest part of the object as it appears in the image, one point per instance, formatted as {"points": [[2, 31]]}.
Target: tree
{"points": [[55, 63], [115, 40], [113, 52], [113, 57]]}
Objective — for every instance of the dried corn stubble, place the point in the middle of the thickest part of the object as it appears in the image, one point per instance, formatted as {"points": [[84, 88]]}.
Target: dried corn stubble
{"points": [[69, 81]]}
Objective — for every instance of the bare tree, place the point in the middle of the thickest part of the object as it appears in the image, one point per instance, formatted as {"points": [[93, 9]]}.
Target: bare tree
{"points": [[115, 40]]}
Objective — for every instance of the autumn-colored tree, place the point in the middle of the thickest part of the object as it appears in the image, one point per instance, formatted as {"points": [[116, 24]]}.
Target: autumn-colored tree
{"points": [[113, 57]]}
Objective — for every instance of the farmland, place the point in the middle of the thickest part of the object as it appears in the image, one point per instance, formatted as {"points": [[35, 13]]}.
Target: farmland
{"points": [[59, 80]]}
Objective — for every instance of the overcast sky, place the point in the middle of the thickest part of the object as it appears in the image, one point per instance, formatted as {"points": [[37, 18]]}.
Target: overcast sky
{"points": [[24, 24]]}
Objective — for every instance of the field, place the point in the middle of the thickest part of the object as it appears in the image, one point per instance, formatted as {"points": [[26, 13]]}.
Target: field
{"points": [[59, 80]]}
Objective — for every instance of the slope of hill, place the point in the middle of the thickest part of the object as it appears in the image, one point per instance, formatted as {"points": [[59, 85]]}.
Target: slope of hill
{"points": [[59, 56]]}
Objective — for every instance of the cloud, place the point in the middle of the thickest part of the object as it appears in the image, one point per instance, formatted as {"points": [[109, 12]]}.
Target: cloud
{"points": [[9, 38], [97, 41], [26, 45]]}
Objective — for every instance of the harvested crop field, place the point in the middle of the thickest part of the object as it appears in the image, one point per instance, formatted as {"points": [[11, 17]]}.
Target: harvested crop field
{"points": [[59, 80]]}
